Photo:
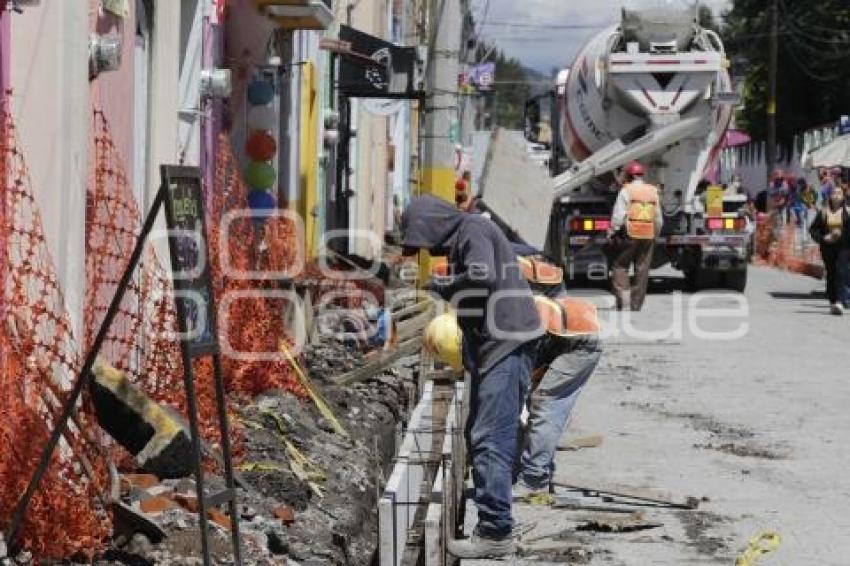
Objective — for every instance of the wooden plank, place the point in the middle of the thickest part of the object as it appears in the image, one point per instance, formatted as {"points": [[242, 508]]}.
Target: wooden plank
{"points": [[413, 326], [572, 444], [384, 360]]}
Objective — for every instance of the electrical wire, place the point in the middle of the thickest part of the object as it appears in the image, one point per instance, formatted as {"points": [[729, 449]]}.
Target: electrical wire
{"points": [[546, 26]]}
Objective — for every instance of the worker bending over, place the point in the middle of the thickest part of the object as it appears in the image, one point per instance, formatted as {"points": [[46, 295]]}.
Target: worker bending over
{"points": [[499, 320], [636, 222], [564, 359]]}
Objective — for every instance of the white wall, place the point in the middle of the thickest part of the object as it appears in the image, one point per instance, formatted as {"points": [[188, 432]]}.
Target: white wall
{"points": [[49, 75], [189, 87], [164, 80]]}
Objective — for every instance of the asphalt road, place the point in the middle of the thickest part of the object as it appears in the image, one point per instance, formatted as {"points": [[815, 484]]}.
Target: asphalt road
{"points": [[749, 412]]}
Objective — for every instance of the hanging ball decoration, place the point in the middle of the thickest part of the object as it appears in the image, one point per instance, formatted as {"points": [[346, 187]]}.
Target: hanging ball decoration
{"points": [[261, 200], [261, 146], [260, 175], [261, 118], [260, 92]]}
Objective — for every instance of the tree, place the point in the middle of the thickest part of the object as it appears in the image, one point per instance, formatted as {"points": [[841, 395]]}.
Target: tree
{"points": [[814, 63]]}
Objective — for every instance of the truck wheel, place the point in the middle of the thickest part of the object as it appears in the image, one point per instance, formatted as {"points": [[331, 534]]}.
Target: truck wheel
{"points": [[736, 280], [699, 279]]}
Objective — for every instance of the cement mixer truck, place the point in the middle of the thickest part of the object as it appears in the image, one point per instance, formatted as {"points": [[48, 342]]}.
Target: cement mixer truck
{"points": [[654, 88]]}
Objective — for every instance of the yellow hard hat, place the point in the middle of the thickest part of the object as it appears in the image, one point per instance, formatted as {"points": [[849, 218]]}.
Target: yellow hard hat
{"points": [[443, 339]]}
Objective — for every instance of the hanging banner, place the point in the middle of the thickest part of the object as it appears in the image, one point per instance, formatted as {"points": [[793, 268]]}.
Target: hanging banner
{"points": [[374, 68], [484, 76]]}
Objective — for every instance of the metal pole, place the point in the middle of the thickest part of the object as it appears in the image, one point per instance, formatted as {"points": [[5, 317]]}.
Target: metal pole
{"points": [[770, 150], [84, 375], [224, 428]]}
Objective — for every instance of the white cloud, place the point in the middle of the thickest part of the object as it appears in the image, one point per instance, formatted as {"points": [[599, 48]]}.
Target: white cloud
{"points": [[542, 48]]}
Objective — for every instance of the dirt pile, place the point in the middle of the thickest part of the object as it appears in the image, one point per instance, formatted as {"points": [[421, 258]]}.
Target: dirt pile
{"points": [[310, 493]]}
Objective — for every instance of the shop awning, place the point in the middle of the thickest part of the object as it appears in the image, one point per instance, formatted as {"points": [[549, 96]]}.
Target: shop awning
{"points": [[297, 14], [834, 154]]}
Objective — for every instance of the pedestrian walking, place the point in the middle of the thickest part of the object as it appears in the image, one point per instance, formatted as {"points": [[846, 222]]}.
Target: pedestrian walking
{"points": [[827, 185], [798, 203], [779, 192], [809, 196], [499, 321], [636, 222], [831, 229]]}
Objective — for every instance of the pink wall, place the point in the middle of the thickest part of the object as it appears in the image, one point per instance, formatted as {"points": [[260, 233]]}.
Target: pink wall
{"points": [[113, 91], [5, 47], [247, 34]]}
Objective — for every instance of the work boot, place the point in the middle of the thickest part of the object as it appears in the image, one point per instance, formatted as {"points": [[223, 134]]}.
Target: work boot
{"points": [[837, 309], [478, 546]]}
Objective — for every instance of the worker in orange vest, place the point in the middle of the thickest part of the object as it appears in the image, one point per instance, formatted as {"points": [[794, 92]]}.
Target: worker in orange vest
{"points": [[636, 222]]}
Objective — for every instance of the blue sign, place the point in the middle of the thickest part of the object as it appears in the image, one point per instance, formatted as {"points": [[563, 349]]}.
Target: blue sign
{"points": [[484, 76]]}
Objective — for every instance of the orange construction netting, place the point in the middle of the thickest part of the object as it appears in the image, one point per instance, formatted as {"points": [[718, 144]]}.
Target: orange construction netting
{"points": [[254, 323], [39, 358]]}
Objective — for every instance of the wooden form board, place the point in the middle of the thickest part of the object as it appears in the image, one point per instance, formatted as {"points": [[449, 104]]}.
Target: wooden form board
{"points": [[403, 494], [442, 515]]}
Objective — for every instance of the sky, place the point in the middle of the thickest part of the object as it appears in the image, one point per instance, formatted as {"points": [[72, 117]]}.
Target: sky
{"points": [[543, 48]]}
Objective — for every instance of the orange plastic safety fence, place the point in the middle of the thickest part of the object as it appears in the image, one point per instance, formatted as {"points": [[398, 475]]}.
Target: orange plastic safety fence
{"points": [[786, 247], [39, 360], [243, 253], [141, 340]]}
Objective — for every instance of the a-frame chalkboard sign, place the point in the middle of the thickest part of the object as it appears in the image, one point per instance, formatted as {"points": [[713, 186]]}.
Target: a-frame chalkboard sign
{"points": [[181, 193]]}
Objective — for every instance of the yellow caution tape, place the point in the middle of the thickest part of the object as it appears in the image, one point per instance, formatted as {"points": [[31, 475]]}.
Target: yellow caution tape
{"points": [[305, 382], [260, 467], [303, 468], [761, 544], [300, 465]]}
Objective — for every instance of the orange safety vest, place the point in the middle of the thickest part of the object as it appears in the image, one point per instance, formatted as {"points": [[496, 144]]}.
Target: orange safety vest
{"points": [[540, 272], [643, 204], [567, 317]]}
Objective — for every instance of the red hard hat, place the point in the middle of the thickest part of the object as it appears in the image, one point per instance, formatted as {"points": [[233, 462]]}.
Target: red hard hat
{"points": [[635, 169]]}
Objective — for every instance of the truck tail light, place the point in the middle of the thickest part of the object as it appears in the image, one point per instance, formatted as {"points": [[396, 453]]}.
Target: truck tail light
{"points": [[590, 225], [727, 224]]}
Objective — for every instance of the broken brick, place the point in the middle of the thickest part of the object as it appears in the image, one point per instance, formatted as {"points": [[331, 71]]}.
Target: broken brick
{"points": [[285, 514], [188, 502], [219, 518], [155, 505], [142, 481]]}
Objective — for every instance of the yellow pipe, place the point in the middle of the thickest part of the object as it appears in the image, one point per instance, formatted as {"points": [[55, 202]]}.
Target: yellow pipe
{"points": [[309, 158]]}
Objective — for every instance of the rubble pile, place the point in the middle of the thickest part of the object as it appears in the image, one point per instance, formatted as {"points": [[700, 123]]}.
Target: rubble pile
{"points": [[308, 493]]}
